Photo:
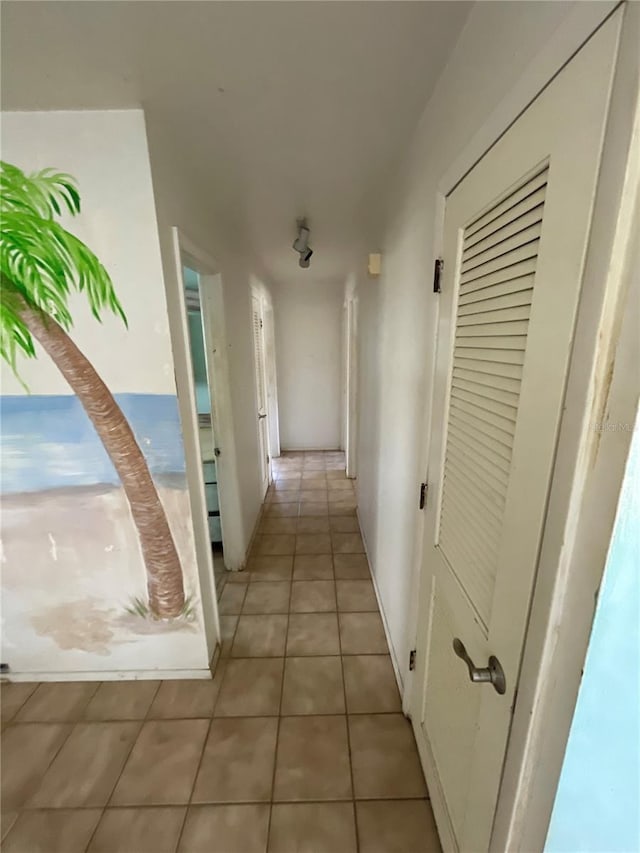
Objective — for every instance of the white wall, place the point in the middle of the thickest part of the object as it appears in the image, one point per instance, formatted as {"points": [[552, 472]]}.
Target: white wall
{"points": [[179, 202], [71, 558], [106, 152], [505, 54], [61, 617], [308, 325]]}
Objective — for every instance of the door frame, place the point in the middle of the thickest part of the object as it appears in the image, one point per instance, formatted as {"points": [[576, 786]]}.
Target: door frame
{"points": [[214, 327], [271, 376], [269, 372], [186, 252], [588, 475], [351, 385], [602, 388]]}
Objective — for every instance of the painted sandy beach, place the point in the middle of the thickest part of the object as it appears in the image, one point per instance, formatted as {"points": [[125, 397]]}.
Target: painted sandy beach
{"points": [[74, 582], [72, 570]]}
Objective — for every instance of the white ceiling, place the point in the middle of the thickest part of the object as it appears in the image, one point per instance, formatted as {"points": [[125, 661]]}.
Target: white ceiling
{"points": [[277, 109]]}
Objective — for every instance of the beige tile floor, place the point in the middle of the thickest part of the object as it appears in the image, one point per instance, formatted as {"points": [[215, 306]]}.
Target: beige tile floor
{"points": [[297, 745]]}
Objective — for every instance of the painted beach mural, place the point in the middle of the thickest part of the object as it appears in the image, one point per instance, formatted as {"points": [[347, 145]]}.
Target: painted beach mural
{"points": [[97, 560]]}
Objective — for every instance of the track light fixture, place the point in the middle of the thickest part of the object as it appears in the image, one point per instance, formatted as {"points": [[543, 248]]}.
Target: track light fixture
{"points": [[301, 244]]}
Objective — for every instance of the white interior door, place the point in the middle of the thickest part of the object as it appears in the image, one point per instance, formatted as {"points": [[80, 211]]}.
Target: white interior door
{"points": [[516, 231], [261, 392]]}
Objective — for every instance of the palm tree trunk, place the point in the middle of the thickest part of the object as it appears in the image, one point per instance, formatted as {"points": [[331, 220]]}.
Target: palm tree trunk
{"points": [[164, 573]]}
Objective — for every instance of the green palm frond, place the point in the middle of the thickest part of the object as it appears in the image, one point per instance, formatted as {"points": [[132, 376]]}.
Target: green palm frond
{"points": [[15, 337], [45, 193], [40, 261]]}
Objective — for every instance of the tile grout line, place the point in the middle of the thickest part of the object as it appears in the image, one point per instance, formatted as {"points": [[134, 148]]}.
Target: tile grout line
{"points": [[231, 642], [346, 710], [179, 805], [95, 828], [142, 722], [189, 802], [275, 756], [125, 762], [103, 808], [22, 808], [22, 704], [147, 719]]}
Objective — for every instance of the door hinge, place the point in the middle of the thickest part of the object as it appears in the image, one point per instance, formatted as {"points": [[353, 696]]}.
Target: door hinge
{"points": [[424, 488], [437, 275], [412, 660]]}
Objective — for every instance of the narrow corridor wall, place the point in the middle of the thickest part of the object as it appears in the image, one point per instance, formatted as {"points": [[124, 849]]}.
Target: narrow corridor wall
{"points": [[506, 53], [308, 327], [181, 202]]}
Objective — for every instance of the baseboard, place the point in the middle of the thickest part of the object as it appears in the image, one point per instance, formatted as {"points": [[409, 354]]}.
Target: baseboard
{"points": [[110, 675], [251, 540], [311, 450], [394, 660]]}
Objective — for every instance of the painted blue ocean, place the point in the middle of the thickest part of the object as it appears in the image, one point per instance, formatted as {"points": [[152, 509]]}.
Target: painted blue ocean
{"points": [[48, 442]]}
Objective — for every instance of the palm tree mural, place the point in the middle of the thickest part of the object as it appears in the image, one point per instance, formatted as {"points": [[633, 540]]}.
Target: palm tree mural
{"points": [[40, 265]]}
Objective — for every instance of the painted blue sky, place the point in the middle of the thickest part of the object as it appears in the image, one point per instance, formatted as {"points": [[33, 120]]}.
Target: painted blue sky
{"points": [[49, 442]]}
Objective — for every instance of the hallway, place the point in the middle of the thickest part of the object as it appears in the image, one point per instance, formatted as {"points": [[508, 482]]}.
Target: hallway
{"points": [[297, 744], [318, 359]]}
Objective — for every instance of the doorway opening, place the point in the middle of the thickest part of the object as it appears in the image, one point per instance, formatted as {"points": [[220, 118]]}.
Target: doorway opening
{"points": [[198, 331], [266, 395], [204, 410]]}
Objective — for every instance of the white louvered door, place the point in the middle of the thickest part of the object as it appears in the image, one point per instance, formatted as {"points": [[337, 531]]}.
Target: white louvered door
{"points": [[516, 233], [496, 286]]}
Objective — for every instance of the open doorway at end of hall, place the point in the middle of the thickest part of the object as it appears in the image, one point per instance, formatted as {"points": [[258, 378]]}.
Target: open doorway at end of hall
{"points": [[204, 408]]}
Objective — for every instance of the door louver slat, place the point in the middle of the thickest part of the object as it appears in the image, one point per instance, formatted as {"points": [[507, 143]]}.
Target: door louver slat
{"points": [[496, 288], [492, 314], [479, 584], [515, 214], [502, 247], [481, 443], [493, 476], [503, 369], [498, 330], [537, 182], [501, 263], [490, 534], [463, 487], [471, 495], [484, 549], [512, 232], [478, 389], [504, 383], [517, 277], [496, 342], [492, 407], [467, 509], [482, 302], [499, 441], [476, 353], [505, 425], [493, 497]]}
